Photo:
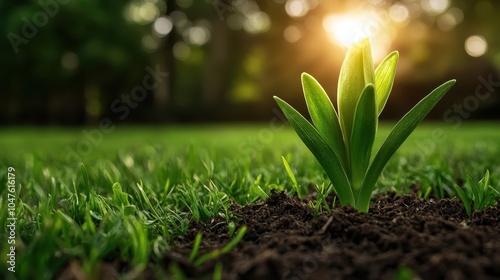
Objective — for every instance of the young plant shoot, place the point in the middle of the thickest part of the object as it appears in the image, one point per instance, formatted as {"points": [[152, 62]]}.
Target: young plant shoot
{"points": [[476, 197], [343, 142]]}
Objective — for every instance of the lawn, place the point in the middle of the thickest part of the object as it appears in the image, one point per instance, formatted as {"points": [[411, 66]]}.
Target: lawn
{"points": [[122, 199]]}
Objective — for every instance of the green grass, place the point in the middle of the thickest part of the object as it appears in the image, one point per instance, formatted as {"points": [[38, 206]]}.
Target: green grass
{"points": [[140, 187]]}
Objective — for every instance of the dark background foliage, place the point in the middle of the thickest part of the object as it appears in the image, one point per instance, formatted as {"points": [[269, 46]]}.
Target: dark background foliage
{"points": [[74, 62]]}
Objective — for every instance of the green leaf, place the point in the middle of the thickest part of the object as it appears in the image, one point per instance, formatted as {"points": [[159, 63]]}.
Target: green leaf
{"points": [[120, 198], [485, 195], [398, 135], [129, 210], [465, 200], [473, 190], [321, 150], [368, 70], [384, 79], [86, 181], [363, 135], [356, 72], [323, 115]]}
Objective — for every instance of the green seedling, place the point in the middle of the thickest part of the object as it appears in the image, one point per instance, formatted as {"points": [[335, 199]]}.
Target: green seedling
{"points": [[477, 196], [321, 202], [224, 250], [343, 143]]}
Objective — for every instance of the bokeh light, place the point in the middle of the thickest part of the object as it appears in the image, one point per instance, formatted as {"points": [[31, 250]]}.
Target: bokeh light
{"points": [[149, 43], [70, 60], [184, 3], [142, 13], [181, 51], [258, 22], [435, 6], [197, 35], [292, 34], [399, 12], [162, 26], [449, 20], [446, 22], [457, 13], [437, 39], [297, 8], [180, 20], [235, 21], [476, 46]]}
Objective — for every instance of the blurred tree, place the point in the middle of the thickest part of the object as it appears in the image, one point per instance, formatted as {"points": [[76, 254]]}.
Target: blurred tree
{"points": [[68, 62], [65, 60]]}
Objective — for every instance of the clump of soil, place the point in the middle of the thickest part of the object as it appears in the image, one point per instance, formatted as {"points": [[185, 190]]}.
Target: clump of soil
{"points": [[433, 239]]}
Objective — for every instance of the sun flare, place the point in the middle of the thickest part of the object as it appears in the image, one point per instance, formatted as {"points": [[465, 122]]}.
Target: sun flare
{"points": [[346, 29]]}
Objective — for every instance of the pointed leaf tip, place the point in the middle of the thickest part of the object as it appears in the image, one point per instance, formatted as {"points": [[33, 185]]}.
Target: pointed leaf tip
{"points": [[395, 139], [384, 79], [323, 115], [356, 72]]}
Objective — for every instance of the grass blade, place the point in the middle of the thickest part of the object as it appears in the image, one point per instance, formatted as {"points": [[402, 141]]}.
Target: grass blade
{"points": [[321, 150], [235, 241], [384, 79], [217, 275], [86, 181], [196, 246], [292, 177], [363, 136], [461, 194], [398, 135], [323, 115], [484, 195], [473, 190], [224, 250]]}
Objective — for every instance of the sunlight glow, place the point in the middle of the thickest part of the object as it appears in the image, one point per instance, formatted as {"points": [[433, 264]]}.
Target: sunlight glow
{"points": [[344, 30]]}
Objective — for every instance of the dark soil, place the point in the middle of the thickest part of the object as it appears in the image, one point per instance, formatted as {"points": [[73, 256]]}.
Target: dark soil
{"points": [[402, 237], [430, 239]]}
